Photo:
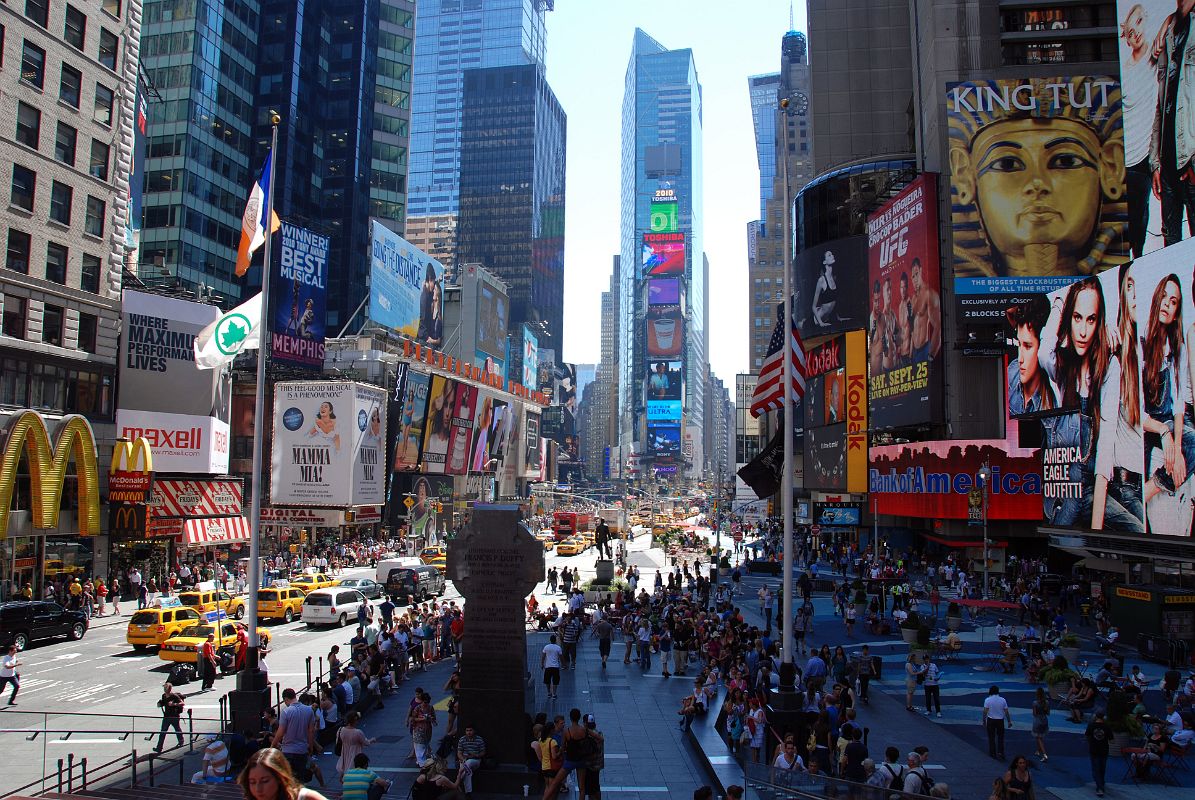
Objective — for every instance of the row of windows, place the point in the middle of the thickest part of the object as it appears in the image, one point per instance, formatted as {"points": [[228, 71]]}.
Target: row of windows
{"points": [[48, 387], [75, 34], [66, 137], [70, 83], [18, 254], [39, 10], [23, 195], [16, 324]]}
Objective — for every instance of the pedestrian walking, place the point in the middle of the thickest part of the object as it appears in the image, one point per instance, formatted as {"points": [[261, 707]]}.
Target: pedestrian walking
{"points": [[995, 719], [1018, 782], [932, 681], [604, 631], [866, 673], [9, 674], [1041, 722], [171, 704], [550, 660], [1098, 735]]}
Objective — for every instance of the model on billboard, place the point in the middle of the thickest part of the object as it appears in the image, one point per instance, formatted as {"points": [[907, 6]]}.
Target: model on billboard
{"points": [[431, 326], [904, 319], [1139, 86], [325, 425], [481, 439], [423, 514], [1172, 143], [292, 324], [1039, 190], [825, 294], [440, 421], [1124, 484], [659, 384], [1029, 390], [1165, 389], [924, 311]]}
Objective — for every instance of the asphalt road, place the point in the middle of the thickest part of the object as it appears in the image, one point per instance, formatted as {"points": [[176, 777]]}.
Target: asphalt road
{"points": [[96, 698]]}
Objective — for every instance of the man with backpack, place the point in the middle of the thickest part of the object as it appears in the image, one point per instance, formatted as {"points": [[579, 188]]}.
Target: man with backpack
{"points": [[917, 780], [890, 774]]}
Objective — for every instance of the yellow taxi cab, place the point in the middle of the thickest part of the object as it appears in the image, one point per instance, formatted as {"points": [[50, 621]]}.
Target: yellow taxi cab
{"points": [[588, 538], [184, 647], [204, 600], [430, 553], [57, 568], [546, 539], [569, 547], [150, 627], [280, 601], [309, 582]]}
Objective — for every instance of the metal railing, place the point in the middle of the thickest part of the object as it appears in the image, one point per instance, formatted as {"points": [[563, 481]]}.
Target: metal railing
{"points": [[767, 782]]}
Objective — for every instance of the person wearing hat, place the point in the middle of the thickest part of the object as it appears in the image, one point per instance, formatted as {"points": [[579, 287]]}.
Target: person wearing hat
{"points": [[432, 784], [825, 294]]}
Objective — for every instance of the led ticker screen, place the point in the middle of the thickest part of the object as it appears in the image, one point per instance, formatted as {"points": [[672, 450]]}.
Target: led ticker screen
{"points": [[663, 292], [663, 411], [663, 254], [664, 217]]}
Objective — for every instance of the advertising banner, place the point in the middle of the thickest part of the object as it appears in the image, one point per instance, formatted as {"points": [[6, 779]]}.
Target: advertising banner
{"points": [[462, 429], [1037, 187], [195, 498], [181, 409], [424, 493], [933, 480], [837, 513], [299, 298], [299, 517], [530, 376], [664, 380], [438, 428], [663, 410], [904, 330], [663, 292], [835, 414], [406, 292], [329, 438], [411, 421], [493, 308], [663, 254], [1148, 48], [664, 215], [666, 333], [828, 276], [663, 441], [532, 461]]}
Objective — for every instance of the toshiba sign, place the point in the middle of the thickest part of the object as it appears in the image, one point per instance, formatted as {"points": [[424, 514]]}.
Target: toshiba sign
{"points": [[180, 442]]}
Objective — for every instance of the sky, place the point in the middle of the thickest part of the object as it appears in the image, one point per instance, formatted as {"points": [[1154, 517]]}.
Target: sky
{"points": [[588, 47]]}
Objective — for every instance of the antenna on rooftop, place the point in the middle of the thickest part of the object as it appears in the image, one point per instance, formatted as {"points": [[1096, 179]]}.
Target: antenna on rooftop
{"points": [[791, 26]]}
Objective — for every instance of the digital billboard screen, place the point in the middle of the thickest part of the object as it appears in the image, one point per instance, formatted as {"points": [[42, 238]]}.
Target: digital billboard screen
{"points": [[828, 276], [663, 410], [493, 308], [664, 380], [1037, 187], [666, 333], [405, 287], [663, 254], [663, 292], [663, 441], [835, 414]]}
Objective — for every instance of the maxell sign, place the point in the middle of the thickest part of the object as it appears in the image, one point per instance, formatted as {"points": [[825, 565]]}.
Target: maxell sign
{"points": [[181, 442]]}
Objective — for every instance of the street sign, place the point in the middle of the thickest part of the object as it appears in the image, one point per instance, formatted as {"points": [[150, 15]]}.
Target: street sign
{"points": [[738, 536], [815, 529], [408, 502]]}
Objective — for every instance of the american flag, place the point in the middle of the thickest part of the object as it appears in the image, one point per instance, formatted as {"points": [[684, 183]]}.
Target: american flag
{"points": [[769, 391]]}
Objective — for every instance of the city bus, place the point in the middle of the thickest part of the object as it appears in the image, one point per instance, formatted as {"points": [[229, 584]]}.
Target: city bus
{"points": [[568, 523]]}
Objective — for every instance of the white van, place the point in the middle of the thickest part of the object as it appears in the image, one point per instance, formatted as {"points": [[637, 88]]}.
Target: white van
{"points": [[387, 564], [335, 605]]}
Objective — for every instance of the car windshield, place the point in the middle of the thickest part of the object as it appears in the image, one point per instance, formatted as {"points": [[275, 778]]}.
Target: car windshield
{"points": [[197, 631], [318, 600], [144, 618]]}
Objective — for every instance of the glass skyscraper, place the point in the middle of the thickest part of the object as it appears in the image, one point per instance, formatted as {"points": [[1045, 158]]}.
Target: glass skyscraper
{"points": [[512, 192], [661, 154], [764, 91], [454, 36]]}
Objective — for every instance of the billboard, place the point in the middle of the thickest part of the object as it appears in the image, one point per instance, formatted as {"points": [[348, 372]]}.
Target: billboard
{"points": [[532, 461], [493, 311], [462, 429], [406, 291], [411, 421], [663, 292], [904, 329], [1037, 187], [329, 440], [827, 277], [664, 380], [25, 434], [426, 492], [835, 414], [299, 295], [438, 428], [663, 410], [663, 254], [666, 333], [663, 441], [530, 376], [664, 215], [1156, 218], [180, 409]]}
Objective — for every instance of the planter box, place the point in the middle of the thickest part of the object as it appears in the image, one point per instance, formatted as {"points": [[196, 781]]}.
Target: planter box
{"points": [[909, 635], [954, 623]]}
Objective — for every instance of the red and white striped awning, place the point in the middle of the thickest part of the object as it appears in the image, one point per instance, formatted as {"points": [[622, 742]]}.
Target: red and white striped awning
{"points": [[215, 530]]}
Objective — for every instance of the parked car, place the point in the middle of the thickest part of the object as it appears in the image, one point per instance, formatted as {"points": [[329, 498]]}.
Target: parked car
{"points": [[366, 586], [334, 606], [23, 622], [416, 582], [387, 564]]}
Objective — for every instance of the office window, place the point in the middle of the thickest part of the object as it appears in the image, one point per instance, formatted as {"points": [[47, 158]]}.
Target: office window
{"points": [[89, 326], [33, 64], [104, 100], [56, 256], [38, 11], [51, 325], [99, 160], [89, 280], [15, 312], [19, 243], [108, 46], [61, 196], [70, 86], [24, 186], [112, 7], [28, 125], [94, 224], [64, 144], [76, 27]]}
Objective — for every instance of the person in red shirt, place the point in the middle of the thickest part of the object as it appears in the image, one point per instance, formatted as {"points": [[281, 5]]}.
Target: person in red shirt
{"points": [[458, 633], [242, 646], [207, 655]]}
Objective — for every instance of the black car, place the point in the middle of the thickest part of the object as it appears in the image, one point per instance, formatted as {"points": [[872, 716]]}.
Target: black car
{"points": [[25, 621], [415, 582], [366, 586]]}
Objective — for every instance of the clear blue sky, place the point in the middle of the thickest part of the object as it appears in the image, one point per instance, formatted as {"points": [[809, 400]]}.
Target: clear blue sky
{"points": [[588, 46]]}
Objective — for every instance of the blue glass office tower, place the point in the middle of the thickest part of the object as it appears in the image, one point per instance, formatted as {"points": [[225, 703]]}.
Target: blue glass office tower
{"points": [[764, 91], [454, 36], [512, 192], [661, 152]]}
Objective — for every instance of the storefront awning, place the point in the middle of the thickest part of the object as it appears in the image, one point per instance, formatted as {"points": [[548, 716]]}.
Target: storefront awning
{"points": [[215, 530], [964, 542]]}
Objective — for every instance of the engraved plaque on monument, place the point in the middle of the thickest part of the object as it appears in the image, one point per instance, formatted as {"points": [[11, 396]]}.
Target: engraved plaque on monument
{"points": [[495, 563]]}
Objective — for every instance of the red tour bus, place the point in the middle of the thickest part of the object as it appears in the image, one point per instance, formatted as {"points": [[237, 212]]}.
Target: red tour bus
{"points": [[568, 523]]}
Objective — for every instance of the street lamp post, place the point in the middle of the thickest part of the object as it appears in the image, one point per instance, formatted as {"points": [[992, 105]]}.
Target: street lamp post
{"points": [[985, 475]]}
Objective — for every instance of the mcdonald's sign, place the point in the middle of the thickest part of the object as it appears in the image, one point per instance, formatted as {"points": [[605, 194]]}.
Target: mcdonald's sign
{"points": [[25, 432], [128, 520], [128, 483]]}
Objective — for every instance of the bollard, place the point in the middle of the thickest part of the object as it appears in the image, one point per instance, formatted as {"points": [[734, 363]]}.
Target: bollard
{"points": [[152, 765], [84, 774], [308, 672], [191, 730], [70, 773], [321, 669], [224, 724], [277, 695], [59, 776], [133, 780]]}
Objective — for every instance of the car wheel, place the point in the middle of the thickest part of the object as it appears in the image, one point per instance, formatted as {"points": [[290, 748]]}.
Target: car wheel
{"points": [[140, 648], [288, 616], [77, 631], [21, 640], [240, 612], [310, 624], [344, 620]]}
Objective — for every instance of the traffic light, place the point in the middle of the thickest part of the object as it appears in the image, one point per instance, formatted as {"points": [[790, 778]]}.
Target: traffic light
{"points": [[303, 536], [439, 508]]}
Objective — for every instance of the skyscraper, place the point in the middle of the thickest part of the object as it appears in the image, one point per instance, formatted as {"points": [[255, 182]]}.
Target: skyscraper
{"points": [[512, 192], [764, 92], [454, 36], [662, 266]]}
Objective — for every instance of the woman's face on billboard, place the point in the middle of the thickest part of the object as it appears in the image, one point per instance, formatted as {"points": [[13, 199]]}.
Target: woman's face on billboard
{"points": [[1085, 320], [1168, 308]]}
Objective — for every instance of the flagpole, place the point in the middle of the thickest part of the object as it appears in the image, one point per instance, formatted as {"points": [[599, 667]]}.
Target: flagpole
{"points": [[787, 669], [259, 412]]}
